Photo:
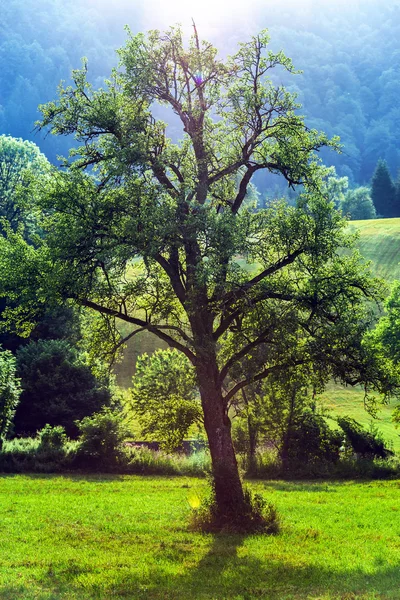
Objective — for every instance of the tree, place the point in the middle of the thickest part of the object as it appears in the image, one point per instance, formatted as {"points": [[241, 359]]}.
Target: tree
{"points": [[58, 388], [358, 205], [10, 391], [383, 190], [384, 339], [130, 193], [397, 193], [165, 396], [21, 163]]}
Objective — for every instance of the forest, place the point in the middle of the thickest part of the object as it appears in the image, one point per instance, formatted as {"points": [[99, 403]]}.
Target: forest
{"points": [[348, 53]]}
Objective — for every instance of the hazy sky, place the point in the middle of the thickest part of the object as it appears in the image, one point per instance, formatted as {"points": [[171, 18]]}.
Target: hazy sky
{"points": [[219, 18]]}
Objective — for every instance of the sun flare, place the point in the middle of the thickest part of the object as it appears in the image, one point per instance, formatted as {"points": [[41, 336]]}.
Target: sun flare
{"points": [[207, 14]]}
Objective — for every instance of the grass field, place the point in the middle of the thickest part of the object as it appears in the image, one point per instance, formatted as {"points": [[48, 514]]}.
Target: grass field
{"points": [[77, 538], [347, 401], [380, 243]]}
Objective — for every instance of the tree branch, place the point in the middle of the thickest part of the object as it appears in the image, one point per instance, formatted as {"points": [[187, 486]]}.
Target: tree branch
{"points": [[228, 320], [155, 329], [280, 264], [261, 339], [259, 377]]}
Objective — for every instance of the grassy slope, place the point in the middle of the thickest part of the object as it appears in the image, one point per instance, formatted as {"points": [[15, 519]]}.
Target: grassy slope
{"points": [[126, 537], [348, 401], [379, 243]]}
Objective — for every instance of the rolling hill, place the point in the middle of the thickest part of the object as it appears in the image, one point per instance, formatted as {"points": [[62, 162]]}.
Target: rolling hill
{"points": [[379, 243]]}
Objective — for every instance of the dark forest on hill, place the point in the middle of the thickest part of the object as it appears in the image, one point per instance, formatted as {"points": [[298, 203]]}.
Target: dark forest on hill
{"points": [[348, 53]]}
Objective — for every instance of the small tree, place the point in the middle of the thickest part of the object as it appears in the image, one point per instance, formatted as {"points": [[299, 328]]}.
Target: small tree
{"points": [[358, 205], [101, 437], [165, 396], [368, 444], [397, 195], [58, 387], [384, 340], [10, 391], [21, 164], [383, 191]]}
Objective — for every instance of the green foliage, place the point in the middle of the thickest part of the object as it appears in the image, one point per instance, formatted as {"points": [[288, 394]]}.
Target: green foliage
{"points": [[256, 516], [49, 452], [58, 387], [101, 436], [383, 191], [52, 438], [336, 188], [358, 205], [10, 391], [165, 397], [367, 444], [274, 404], [386, 334], [22, 167], [144, 461], [309, 439], [384, 340]]}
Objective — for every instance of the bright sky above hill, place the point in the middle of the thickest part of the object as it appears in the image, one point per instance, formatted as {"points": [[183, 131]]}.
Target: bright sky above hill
{"points": [[217, 16]]}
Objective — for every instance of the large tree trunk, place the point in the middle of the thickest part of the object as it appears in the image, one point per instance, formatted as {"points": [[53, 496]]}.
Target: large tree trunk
{"points": [[227, 484]]}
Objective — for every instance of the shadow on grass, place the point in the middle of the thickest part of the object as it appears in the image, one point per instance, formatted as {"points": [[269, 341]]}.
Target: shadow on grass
{"points": [[226, 572]]}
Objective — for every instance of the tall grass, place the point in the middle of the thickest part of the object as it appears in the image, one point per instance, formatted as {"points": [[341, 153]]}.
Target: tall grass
{"points": [[27, 455]]}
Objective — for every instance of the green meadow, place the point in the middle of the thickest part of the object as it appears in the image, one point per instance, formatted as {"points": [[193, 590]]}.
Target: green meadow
{"points": [[79, 538], [348, 401], [379, 242]]}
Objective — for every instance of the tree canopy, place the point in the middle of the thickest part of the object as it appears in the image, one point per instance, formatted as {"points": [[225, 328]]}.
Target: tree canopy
{"points": [[157, 233], [21, 164]]}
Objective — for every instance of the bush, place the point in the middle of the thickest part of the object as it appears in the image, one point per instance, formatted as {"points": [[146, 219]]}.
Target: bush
{"points": [[101, 439], [310, 440], [367, 444], [9, 392], [49, 452], [257, 516], [149, 462], [52, 439], [58, 388]]}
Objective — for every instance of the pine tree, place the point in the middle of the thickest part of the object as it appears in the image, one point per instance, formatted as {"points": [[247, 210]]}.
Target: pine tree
{"points": [[397, 196], [383, 192]]}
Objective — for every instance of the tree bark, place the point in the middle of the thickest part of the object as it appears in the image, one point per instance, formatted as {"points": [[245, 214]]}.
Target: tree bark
{"points": [[227, 484]]}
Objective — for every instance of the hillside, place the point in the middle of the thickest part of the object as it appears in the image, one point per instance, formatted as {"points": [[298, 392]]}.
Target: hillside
{"points": [[380, 243]]}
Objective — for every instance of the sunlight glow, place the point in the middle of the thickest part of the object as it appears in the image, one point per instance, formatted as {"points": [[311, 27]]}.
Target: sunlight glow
{"points": [[207, 14]]}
